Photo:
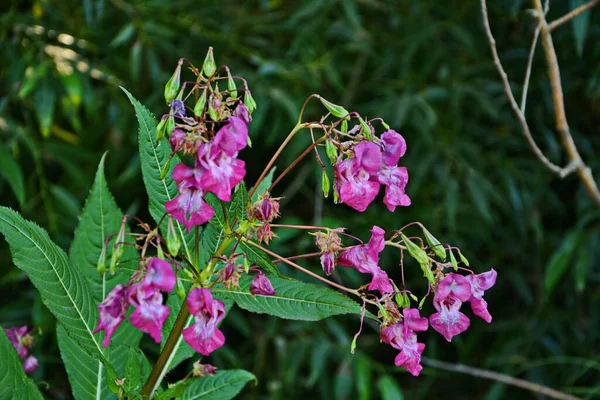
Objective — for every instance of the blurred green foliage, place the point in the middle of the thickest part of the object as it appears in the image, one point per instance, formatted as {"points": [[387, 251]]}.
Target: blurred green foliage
{"points": [[424, 66]]}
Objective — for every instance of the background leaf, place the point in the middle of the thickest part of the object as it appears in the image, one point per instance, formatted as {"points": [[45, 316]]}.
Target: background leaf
{"points": [[11, 171], [224, 385]]}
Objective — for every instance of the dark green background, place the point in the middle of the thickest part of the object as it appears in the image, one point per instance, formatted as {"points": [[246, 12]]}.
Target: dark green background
{"points": [[424, 66]]}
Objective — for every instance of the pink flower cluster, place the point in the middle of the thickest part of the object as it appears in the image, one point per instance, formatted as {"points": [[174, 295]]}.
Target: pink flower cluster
{"points": [[22, 340], [217, 170], [370, 165]]}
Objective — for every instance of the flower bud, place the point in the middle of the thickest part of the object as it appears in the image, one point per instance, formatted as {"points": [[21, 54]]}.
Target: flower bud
{"points": [[203, 369], [209, 67], [119, 247], [178, 108], [241, 111], [334, 109], [199, 107], [331, 151], [231, 85], [170, 125], [415, 251], [328, 262], [435, 244], [325, 185], [246, 264], [262, 285], [180, 289], [463, 258], [161, 129], [249, 102], [213, 106], [386, 126], [102, 262], [164, 170], [366, 129], [176, 140], [159, 252], [173, 242], [453, 260], [344, 127], [173, 84]]}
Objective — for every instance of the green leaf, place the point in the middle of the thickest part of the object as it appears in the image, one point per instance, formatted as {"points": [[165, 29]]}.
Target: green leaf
{"points": [[260, 258], [14, 383], [560, 261], [580, 26], [152, 157], [11, 171], [62, 288], [224, 385], [264, 185], [239, 202], [293, 300], [363, 377], [136, 370], [182, 351], [100, 217]]}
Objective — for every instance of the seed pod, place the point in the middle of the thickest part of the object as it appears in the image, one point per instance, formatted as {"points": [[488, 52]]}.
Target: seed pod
{"points": [[366, 129], [331, 151], [173, 84], [334, 109], [231, 85], [325, 184], [249, 102], [453, 260], [199, 107], [161, 129], [435, 244], [102, 262], [173, 242], [415, 251], [209, 67]]}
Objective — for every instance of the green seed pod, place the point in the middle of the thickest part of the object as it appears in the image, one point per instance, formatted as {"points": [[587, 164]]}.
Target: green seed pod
{"points": [[209, 67], [173, 84], [427, 272], [463, 259], [113, 263], [231, 85], [453, 261], [102, 262], [164, 170], [415, 251], [366, 129], [344, 127], [334, 109], [246, 265], [435, 244], [326, 186], [180, 289], [119, 247], [173, 242], [199, 107], [161, 129], [249, 141], [331, 150], [249, 102], [386, 126]]}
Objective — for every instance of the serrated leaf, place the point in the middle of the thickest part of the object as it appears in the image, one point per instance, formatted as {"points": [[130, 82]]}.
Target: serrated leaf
{"points": [[294, 300], [239, 202], [14, 383], [11, 171], [100, 216], [152, 157], [224, 385], [264, 185], [260, 258], [62, 288]]}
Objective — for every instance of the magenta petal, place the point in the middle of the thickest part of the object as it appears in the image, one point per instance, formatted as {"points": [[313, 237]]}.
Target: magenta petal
{"points": [[482, 282], [262, 285], [328, 262], [454, 285], [352, 256], [223, 171], [413, 320], [368, 156], [380, 281], [395, 180], [112, 312], [376, 242], [405, 340], [232, 137], [394, 147], [160, 275], [449, 321], [30, 364], [150, 314], [189, 208], [202, 338], [479, 307], [358, 194]]}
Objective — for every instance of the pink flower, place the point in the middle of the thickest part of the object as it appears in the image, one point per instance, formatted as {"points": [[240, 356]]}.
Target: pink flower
{"points": [[266, 209], [365, 259], [242, 112], [233, 137], [402, 337], [353, 176], [480, 283], [454, 285], [395, 180], [204, 336], [262, 285], [159, 276], [394, 147], [449, 321], [112, 312], [189, 208], [328, 262], [176, 140], [150, 314], [222, 171], [21, 341], [30, 364]]}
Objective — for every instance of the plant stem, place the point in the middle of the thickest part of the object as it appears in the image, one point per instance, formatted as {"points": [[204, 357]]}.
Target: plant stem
{"points": [[153, 380], [298, 267]]}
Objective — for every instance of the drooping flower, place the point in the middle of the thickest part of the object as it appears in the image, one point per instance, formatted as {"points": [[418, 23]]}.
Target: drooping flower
{"points": [[394, 147], [178, 108], [453, 285], [449, 321], [159, 276], [204, 336], [21, 341], [329, 243], [328, 262], [401, 336], [353, 176], [264, 233], [221, 170], [479, 284], [242, 112], [189, 208], [112, 312], [233, 136], [365, 259], [262, 285], [395, 180], [150, 314], [177, 139], [228, 276]]}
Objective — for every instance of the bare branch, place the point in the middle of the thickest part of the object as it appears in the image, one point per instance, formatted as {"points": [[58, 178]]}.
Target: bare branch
{"points": [[511, 98], [528, 70], [498, 377], [576, 12]]}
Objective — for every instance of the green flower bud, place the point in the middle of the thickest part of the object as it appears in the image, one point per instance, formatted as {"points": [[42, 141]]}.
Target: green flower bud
{"points": [[435, 244], [249, 141], [159, 252], [426, 268], [334, 109], [161, 129], [164, 170], [249, 102], [113, 263], [344, 127], [366, 129], [463, 259], [453, 261], [170, 125], [325, 183], [246, 264], [102, 262], [199, 107], [331, 150], [336, 196], [173, 84], [386, 126], [119, 247], [421, 302], [353, 345], [209, 67], [415, 251], [173, 242], [231, 85], [180, 289]]}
